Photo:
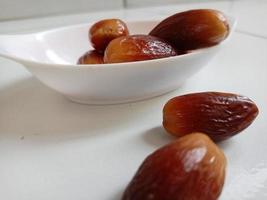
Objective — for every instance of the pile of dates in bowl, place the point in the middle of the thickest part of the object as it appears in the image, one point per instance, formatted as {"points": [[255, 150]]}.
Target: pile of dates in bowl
{"points": [[176, 35]]}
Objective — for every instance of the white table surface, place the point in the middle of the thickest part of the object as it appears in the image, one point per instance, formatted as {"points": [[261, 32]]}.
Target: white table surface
{"points": [[51, 148]]}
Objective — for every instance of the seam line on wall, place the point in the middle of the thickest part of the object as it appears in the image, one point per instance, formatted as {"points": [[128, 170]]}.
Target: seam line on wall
{"points": [[124, 3], [251, 34]]}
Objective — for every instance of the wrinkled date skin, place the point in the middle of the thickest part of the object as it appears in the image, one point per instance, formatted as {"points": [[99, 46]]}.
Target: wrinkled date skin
{"points": [[193, 29], [102, 32], [91, 57], [137, 48], [191, 168], [219, 115]]}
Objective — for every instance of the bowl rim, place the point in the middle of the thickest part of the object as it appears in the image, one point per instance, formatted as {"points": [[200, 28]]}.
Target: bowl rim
{"points": [[232, 24]]}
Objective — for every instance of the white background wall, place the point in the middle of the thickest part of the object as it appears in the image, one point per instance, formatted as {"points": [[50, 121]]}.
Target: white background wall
{"points": [[18, 9], [14, 9], [140, 3]]}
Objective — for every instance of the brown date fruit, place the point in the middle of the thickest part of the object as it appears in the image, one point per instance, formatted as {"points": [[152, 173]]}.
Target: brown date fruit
{"points": [[190, 168], [219, 115], [137, 48], [193, 29], [102, 32], [91, 57]]}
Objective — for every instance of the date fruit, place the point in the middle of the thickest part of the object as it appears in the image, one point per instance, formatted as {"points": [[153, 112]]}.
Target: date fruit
{"points": [[193, 29], [219, 115], [102, 32], [190, 168], [91, 57], [137, 48]]}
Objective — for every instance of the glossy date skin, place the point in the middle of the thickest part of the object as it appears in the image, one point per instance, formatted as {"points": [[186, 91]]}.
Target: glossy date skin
{"points": [[104, 31], [91, 57], [137, 48], [191, 168], [193, 29], [219, 115]]}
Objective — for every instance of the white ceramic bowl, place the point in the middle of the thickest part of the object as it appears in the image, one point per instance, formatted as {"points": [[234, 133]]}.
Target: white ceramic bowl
{"points": [[51, 57]]}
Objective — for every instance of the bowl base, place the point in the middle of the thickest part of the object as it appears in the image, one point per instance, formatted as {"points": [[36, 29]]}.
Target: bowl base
{"points": [[114, 102]]}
